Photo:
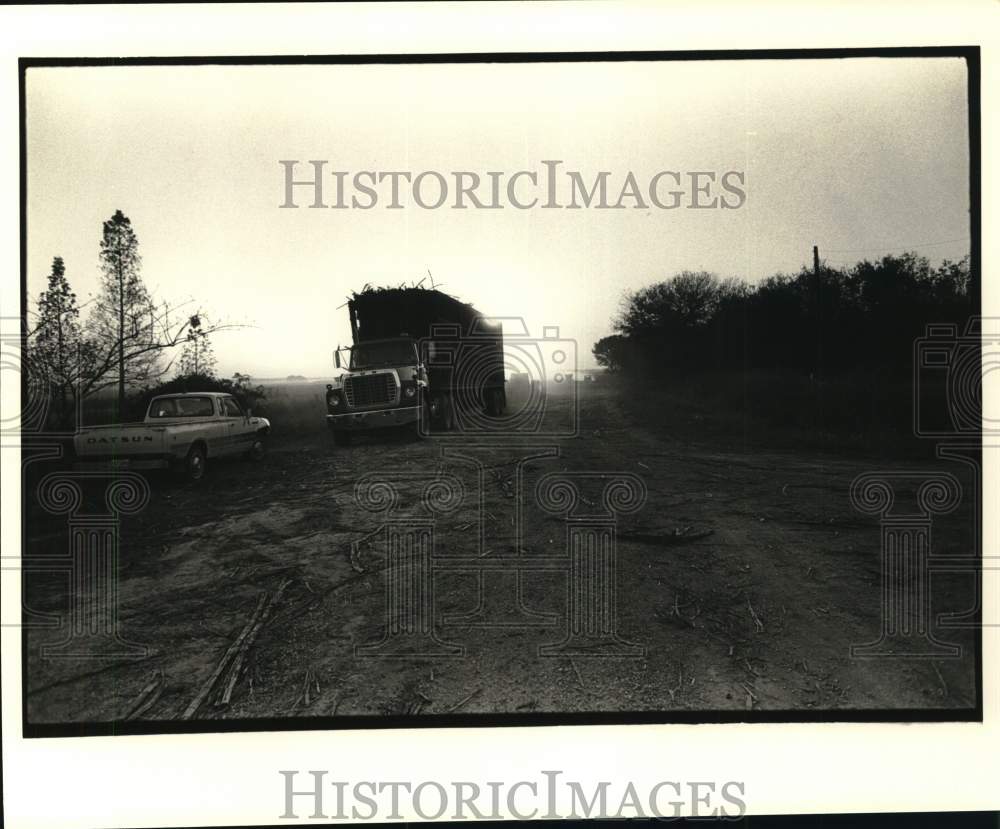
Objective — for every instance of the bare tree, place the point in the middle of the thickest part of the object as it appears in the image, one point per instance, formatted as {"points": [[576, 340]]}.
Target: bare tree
{"points": [[130, 330]]}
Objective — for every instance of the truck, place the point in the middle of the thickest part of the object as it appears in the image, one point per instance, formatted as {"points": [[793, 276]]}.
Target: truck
{"points": [[180, 431], [420, 359]]}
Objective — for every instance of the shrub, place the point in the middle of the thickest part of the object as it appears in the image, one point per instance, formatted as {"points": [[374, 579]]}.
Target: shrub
{"points": [[250, 397]]}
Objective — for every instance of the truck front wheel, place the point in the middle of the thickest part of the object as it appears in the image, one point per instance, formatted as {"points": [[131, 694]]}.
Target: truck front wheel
{"points": [[421, 426]]}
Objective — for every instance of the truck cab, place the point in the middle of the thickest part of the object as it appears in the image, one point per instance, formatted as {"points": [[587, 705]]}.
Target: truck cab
{"points": [[420, 358], [384, 384]]}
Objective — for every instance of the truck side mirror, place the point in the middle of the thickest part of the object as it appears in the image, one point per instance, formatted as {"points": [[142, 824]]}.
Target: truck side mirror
{"points": [[336, 357]]}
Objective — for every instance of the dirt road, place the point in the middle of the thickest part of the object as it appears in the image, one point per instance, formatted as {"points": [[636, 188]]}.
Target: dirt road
{"points": [[745, 578]]}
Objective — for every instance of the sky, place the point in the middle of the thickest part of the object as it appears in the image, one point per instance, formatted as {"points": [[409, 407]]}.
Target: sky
{"points": [[860, 156]]}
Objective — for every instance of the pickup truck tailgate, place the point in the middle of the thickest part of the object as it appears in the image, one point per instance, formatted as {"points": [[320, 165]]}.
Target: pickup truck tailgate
{"points": [[131, 440]]}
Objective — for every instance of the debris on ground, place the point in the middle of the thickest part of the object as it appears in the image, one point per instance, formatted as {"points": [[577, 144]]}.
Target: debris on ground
{"points": [[232, 659], [236, 668], [680, 535], [147, 697], [464, 700], [756, 619]]}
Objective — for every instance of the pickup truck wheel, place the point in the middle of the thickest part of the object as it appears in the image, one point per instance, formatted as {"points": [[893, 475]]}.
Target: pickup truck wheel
{"points": [[257, 448], [194, 464]]}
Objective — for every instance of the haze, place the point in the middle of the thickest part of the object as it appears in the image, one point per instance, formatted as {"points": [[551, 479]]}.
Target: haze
{"points": [[859, 156]]}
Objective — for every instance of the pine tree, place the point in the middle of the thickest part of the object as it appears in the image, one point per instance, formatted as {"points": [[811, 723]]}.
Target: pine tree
{"points": [[197, 356], [59, 354], [124, 318]]}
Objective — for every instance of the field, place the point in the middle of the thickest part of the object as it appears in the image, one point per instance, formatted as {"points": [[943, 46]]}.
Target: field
{"points": [[742, 581]]}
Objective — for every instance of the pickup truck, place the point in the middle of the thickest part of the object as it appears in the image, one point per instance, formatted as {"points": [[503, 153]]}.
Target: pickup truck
{"points": [[180, 431]]}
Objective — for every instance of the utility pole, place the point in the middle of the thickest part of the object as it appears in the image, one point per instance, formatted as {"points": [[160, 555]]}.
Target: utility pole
{"points": [[817, 315]]}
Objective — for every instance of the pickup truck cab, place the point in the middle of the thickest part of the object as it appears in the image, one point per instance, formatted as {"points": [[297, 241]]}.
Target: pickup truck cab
{"points": [[180, 431]]}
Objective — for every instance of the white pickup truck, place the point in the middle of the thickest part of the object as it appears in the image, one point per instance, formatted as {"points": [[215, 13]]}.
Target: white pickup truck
{"points": [[180, 431]]}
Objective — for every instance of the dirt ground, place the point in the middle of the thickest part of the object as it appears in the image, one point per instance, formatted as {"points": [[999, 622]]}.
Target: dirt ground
{"points": [[745, 577]]}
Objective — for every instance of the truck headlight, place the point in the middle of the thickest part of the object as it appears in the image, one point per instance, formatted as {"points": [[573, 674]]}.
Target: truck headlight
{"points": [[410, 390], [332, 399]]}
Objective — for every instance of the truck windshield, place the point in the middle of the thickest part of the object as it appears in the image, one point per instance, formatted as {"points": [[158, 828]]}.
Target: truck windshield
{"points": [[383, 353], [181, 407]]}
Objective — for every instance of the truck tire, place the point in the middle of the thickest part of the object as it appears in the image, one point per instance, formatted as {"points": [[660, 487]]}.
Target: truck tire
{"points": [[495, 402], [419, 428], [447, 417], [194, 464], [258, 448]]}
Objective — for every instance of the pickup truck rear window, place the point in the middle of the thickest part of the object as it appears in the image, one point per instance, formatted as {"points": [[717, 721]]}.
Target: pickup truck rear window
{"points": [[182, 407]]}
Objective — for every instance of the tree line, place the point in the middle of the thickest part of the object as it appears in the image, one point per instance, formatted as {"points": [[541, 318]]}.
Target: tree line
{"points": [[127, 339], [819, 322]]}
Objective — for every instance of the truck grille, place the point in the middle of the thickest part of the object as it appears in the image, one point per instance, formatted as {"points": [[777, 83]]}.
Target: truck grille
{"points": [[370, 390]]}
